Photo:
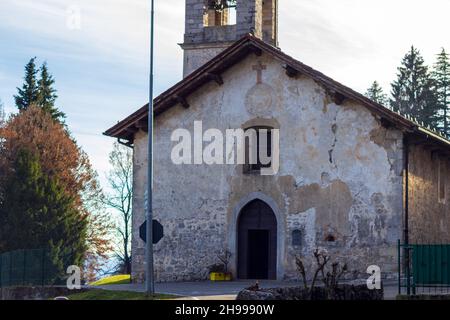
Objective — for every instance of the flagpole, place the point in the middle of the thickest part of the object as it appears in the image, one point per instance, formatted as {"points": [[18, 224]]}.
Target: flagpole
{"points": [[149, 283]]}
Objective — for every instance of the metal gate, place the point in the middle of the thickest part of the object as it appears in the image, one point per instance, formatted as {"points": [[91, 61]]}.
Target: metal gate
{"points": [[424, 268]]}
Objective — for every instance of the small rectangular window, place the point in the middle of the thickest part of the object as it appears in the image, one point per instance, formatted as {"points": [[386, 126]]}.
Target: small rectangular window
{"points": [[442, 181], [297, 238], [258, 142]]}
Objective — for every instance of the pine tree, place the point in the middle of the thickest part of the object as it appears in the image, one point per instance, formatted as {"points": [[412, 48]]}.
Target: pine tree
{"points": [[441, 75], [28, 95], [375, 93], [39, 92], [47, 94], [413, 92], [36, 213]]}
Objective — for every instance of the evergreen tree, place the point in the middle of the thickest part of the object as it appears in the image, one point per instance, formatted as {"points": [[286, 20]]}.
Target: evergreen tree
{"points": [[66, 177], [413, 92], [36, 213], [28, 95], [47, 94], [375, 93], [441, 75], [39, 92]]}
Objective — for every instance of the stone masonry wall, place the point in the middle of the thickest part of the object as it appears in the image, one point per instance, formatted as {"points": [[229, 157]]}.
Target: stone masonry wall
{"points": [[203, 42], [429, 216], [340, 175], [249, 18], [270, 22], [197, 55], [138, 217]]}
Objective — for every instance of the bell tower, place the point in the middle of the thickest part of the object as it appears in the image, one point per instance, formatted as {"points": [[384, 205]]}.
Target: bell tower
{"points": [[213, 25]]}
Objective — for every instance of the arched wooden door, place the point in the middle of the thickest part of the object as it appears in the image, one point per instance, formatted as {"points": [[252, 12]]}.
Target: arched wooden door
{"points": [[257, 242]]}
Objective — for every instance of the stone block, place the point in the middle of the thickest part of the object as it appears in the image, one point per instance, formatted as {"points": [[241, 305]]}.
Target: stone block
{"points": [[342, 292]]}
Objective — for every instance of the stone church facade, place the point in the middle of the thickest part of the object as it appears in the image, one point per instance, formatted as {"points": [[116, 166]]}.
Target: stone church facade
{"points": [[354, 176]]}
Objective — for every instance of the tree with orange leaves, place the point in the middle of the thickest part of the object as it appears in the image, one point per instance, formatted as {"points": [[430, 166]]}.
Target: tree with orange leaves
{"points": [[62, 160]]}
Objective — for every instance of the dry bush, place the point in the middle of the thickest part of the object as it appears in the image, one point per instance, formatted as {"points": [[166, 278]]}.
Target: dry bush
{"points": [[330, 276]]}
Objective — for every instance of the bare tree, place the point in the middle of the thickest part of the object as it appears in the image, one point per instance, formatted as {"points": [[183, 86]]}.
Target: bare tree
{"points": [[2, 124], [331, 278], [2, 114], [301, 270], [119, 198], [321, 259]]}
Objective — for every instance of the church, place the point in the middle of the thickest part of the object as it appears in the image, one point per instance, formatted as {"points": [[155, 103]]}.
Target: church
{"points": [[354, 176]]}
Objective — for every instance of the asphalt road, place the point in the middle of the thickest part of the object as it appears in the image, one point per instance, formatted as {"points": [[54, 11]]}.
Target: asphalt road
{"points": [[207, 290]]}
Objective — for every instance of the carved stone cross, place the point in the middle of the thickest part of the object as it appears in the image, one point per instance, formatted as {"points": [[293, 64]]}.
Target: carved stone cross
{"points": [[259, 68]]}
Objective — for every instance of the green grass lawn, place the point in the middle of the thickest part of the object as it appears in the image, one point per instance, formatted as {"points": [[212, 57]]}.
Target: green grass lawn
{"points": [[97, 294], [119, 279]]}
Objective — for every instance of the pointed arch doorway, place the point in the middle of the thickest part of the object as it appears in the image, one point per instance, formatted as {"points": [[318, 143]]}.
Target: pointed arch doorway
{"points": [[257, 242]]}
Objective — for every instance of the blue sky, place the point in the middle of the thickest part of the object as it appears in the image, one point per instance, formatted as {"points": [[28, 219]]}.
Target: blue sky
{"points": [[101, 69]]}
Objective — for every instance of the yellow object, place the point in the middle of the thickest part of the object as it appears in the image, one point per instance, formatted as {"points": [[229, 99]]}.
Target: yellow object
{"points": [[118, 279], [218, 276]]}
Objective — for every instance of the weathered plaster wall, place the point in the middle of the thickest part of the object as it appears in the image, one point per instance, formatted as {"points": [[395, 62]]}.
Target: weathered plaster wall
{"points": [[340, 174], [429, 218]]}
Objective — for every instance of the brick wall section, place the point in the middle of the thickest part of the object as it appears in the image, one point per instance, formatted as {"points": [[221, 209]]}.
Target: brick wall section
{"points": [[429, 219]]}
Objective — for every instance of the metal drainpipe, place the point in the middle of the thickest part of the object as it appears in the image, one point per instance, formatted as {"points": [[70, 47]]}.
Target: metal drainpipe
{"points": [[406, 222], [406, 228]]}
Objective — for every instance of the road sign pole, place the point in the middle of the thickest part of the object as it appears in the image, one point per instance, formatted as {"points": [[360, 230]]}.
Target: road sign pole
{"points": [[149, 283]]}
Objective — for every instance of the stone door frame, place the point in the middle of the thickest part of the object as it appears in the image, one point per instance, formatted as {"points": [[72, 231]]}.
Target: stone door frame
{"points": [[232, 235]]}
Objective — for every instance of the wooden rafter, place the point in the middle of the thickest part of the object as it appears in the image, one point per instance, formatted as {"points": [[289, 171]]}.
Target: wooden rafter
{"points": [[291, 72], [215, 77], [182, 100]]}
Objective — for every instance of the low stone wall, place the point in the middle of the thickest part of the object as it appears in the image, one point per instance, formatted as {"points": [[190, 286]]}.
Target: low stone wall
{"points": [[34, 293], [445, 297], [343, 292]]}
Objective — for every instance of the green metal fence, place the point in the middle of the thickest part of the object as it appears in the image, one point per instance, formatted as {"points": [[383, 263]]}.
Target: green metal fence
{"points": [[423, 268], [27, 268]]}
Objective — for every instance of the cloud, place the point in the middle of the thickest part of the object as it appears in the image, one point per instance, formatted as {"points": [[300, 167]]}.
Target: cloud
{"points": [[101, 70], [357, 41], [331, 35], [114, 32]]}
